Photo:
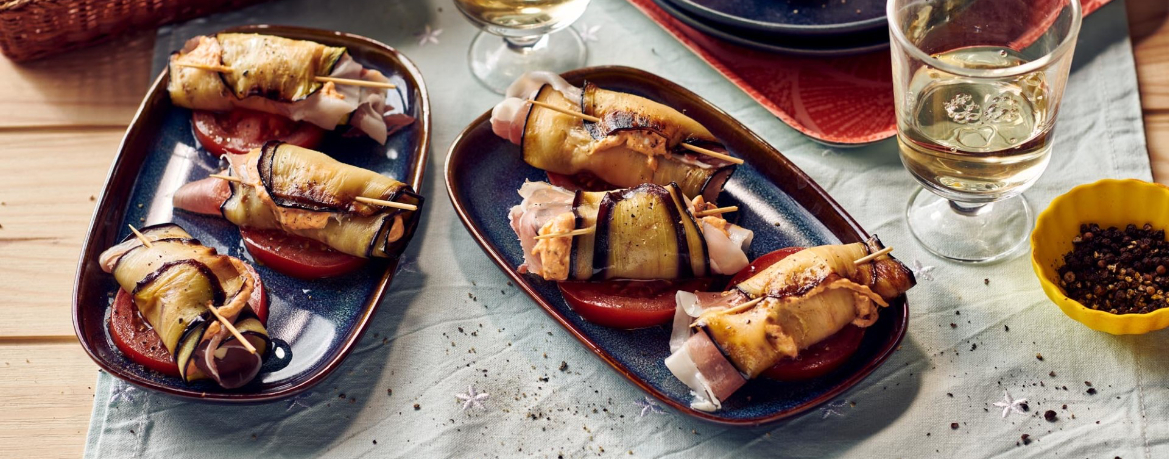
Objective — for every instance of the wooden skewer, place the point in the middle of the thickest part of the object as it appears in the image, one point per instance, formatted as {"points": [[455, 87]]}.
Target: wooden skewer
{"points": [[713, 154], [322, 79], [589, 118], [231, 328], [361, 199], [350, 82], [716, 211], [142, 238], [578, 232], [384, 203], [733, 310], [207, 67], [873, 255]]}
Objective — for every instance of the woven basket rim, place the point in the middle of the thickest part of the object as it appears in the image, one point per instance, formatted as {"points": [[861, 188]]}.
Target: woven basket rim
{"points": [[9, 5]]}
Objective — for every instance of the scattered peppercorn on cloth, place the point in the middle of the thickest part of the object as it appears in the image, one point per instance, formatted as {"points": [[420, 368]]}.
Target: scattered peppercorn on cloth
{"points": [[465, 365]]}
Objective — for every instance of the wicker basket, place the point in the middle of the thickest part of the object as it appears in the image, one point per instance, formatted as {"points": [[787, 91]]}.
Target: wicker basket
{"points": [[30, 29]]}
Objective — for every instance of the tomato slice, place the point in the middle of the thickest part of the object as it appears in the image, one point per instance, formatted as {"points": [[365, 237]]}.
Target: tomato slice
{"points": [[586, 181], [136, 339], [814, 361], [627, 303], [239, 131], [297, 256]]}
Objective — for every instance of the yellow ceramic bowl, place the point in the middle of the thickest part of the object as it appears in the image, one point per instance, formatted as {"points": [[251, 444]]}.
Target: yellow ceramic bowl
{"points": [[1106, 203]]}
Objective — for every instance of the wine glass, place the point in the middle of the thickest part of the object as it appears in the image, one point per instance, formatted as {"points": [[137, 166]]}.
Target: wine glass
{"points": [[977, 86], [532, 38]]}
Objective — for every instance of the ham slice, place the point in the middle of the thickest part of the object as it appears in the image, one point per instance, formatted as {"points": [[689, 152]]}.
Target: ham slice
{"points": [[202, 196]]}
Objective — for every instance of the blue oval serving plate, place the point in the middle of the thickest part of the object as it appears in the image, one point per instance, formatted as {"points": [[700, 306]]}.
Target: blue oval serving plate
{"points": [[776, 199], [313, 324]]}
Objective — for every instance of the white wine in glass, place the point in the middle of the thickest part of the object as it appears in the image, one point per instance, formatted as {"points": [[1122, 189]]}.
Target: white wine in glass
{"points": [[977, 85], [532, 38], [977, 140]]}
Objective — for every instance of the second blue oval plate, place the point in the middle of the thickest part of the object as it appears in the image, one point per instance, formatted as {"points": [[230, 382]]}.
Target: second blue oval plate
{"points": [[781, 204]]}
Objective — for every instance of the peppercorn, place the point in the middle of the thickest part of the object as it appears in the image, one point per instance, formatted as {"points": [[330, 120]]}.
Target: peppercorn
{"points": [[1115, 270]]}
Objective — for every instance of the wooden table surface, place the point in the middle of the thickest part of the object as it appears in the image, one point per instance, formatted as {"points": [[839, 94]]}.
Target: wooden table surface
{"points": [[59, 132]]}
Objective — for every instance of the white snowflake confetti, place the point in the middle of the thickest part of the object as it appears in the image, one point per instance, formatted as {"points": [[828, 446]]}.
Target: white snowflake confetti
{"points": [[298, 401], [831, 409], [588, 33], [123, 392], [648, 405], [921, 271], [428, 36], [1008, 404], [472, 399], [306, 290]]}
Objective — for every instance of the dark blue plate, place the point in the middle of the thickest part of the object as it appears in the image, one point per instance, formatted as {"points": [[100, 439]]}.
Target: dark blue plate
{"points": [[313, 324], [844, 44], [791, 17], [778, 201]]}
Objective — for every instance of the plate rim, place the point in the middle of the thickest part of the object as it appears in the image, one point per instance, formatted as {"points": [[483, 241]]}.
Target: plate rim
{"points": [[121, 163], [696, 23], [769, 27], [900, 327]]}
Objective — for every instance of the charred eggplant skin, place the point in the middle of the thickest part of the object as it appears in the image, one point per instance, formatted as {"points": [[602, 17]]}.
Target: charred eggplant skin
{"points": [[275, 83]]}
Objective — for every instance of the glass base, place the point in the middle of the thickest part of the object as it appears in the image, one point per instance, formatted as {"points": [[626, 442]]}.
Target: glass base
{"points": [[496, 62], [971, 233]]}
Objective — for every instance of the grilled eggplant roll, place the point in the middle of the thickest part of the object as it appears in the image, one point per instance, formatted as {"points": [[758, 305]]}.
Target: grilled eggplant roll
{"points": [[807, 297], [172, 282], [308, 194], [277, 75], [635, 141], [647, 232]]}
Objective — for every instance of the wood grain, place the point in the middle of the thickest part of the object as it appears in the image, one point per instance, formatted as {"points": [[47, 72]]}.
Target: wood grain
{"points": [[44, 215], [47, 391], [1149, 28], [99, 86]]}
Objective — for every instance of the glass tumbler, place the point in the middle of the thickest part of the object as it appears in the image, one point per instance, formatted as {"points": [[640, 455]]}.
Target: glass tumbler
{"points": [[977, 87]]}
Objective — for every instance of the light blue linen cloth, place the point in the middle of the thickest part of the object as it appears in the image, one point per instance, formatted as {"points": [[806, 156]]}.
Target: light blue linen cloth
{"points": [[396, 394]]}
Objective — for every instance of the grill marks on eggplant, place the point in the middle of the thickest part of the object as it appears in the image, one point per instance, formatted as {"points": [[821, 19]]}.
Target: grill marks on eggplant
{"points": [[274, 67]]}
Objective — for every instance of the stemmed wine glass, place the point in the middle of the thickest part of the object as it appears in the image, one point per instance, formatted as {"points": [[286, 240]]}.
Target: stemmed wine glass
{"points": [[977, 87], [532, 38]]}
